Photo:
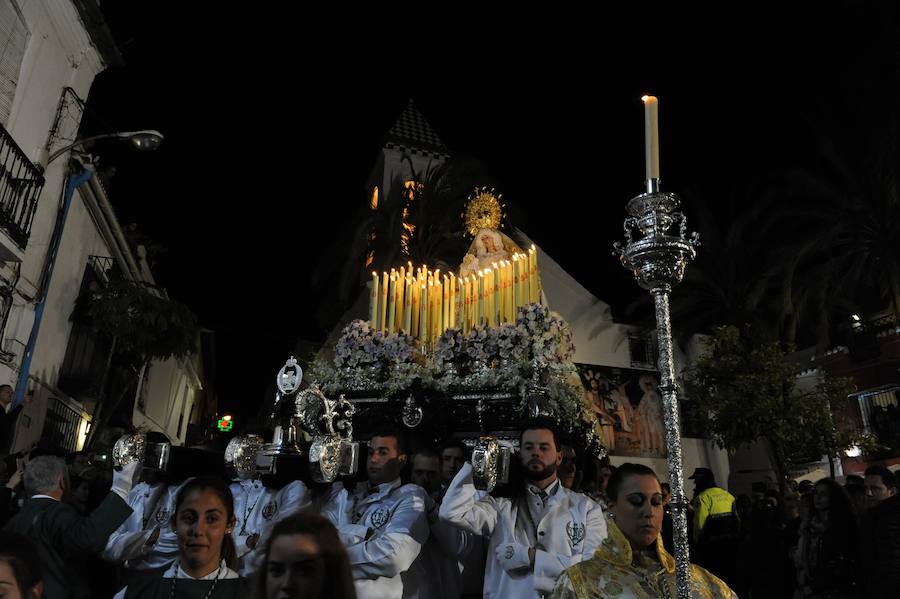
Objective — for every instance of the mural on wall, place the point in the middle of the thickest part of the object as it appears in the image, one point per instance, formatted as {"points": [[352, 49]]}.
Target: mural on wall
{"points": [[628, 404]]}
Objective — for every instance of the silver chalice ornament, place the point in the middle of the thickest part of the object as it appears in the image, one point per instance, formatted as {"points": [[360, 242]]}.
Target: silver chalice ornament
{"points": [[657, 256], [332, 452], [128, 449], [240, 456]]}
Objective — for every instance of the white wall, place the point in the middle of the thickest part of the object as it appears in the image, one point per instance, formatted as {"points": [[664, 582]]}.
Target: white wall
{"points": [[170, 391], [59, 54], [695, 453]]}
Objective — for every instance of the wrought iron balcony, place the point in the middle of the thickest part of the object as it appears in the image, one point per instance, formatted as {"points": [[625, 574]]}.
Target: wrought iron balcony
{"points": [[20, 187]]}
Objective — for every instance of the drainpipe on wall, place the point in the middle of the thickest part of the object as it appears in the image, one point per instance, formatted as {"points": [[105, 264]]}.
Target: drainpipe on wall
{"points": [[72, 184]]}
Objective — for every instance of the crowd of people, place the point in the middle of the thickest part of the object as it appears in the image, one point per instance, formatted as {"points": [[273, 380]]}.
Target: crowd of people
{"points": [[415, 526]]}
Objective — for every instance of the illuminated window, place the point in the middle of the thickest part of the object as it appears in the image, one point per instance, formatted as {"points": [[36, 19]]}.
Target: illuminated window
{"points": [[374, 203]]}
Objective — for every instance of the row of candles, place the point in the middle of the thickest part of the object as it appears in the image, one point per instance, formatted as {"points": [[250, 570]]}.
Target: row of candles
{"points": [[424, 303]]}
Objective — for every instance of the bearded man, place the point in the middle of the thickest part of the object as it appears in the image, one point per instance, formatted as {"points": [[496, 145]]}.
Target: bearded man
{"points": [[536, 534]]}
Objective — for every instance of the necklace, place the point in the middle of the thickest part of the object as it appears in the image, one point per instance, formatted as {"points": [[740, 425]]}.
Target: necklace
{"points": [[211, 588], [248, 511]]}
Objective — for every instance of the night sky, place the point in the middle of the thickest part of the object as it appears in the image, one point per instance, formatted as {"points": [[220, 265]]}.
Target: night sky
{"points": [[273, 121]]}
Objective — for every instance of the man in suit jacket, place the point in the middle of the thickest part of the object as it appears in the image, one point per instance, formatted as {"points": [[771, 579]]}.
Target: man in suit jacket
{"points": [[63, 537]]}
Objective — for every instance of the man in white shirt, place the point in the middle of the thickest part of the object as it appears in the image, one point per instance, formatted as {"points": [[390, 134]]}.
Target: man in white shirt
{"points": [[535, 535], [146, 542], [381, 523], [436, 573], [257, 509]]}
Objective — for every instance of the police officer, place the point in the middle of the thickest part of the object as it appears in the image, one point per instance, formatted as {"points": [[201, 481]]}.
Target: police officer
{"points": [[536, 534], [382, 523]]}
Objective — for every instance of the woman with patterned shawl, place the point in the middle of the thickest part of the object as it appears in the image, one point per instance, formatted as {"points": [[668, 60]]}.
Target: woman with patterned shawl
{"points": [[631, 563]]}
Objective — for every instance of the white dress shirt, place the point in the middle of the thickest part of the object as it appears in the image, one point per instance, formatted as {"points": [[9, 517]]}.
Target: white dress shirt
{"points": [[256, 510], [564, 528], [383, 531], [153, 508]]}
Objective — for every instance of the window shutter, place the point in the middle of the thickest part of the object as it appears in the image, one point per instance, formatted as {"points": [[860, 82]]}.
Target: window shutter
{"points": [[13, 37]]}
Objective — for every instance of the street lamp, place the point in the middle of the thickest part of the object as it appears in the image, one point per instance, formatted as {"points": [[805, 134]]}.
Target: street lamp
{"points": [[145, 140]]}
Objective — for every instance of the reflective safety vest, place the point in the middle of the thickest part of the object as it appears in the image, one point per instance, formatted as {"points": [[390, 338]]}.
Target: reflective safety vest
{"points": [[714, 515]]}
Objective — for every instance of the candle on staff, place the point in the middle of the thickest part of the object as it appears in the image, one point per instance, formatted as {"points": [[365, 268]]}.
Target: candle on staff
{"points": [[373, 302], [651, 136]]}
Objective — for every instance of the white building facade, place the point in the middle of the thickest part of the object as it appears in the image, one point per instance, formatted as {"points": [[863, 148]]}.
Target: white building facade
{"points": [[54, 50]]}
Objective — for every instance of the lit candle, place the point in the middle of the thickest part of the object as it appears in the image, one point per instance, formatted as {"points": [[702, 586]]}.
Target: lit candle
{"points": [[438, 307], [401, 288], [392, 305], [651, 136], [523, 275], [423, 313], [447, 299], [382, 321], [510, 298], [373, 302], [467, 303], [479, 312], [517, 286], [407, 305], [498, 293], [415, 308], [454, 298]]}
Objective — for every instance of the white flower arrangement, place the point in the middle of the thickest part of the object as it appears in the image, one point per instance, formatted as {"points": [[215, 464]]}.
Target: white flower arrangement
{"points": [[534, 353]]}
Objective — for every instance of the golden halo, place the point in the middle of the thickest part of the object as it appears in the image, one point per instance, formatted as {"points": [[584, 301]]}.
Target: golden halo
{"points": [[483, 210]]}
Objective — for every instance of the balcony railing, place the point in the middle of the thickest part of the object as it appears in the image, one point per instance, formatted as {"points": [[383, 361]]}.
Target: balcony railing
{"points": [[20, 187]]}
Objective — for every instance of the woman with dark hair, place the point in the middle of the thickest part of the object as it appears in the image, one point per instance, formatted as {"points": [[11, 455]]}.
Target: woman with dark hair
{"points": [[304, 557], [827, 552], [20, 568], [632, 563], [203, 522]]}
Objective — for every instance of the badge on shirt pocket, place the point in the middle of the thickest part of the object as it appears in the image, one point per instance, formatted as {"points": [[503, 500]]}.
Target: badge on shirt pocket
{"points": [[379, 517], [162, 515], [575, 532], [270, 509]]}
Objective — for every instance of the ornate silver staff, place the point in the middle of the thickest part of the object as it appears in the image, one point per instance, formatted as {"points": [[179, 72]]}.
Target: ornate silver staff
{"points": [[658, 259]]}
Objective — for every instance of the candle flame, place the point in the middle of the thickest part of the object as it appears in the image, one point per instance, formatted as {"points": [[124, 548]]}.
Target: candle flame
{"points": [[644, 98]]}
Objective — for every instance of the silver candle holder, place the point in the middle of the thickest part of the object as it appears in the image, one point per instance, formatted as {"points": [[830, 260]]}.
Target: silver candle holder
{"points": [[658, 259]]}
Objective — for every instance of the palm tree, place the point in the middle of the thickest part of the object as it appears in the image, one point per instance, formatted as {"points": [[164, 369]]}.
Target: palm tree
{"points": [[843, 255]]}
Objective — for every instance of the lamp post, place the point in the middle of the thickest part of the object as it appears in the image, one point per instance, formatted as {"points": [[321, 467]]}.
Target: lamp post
{"points": [[145, 140]]}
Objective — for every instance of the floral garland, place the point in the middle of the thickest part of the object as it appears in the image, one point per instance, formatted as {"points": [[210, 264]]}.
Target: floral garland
{"points": [[534, 353]]}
